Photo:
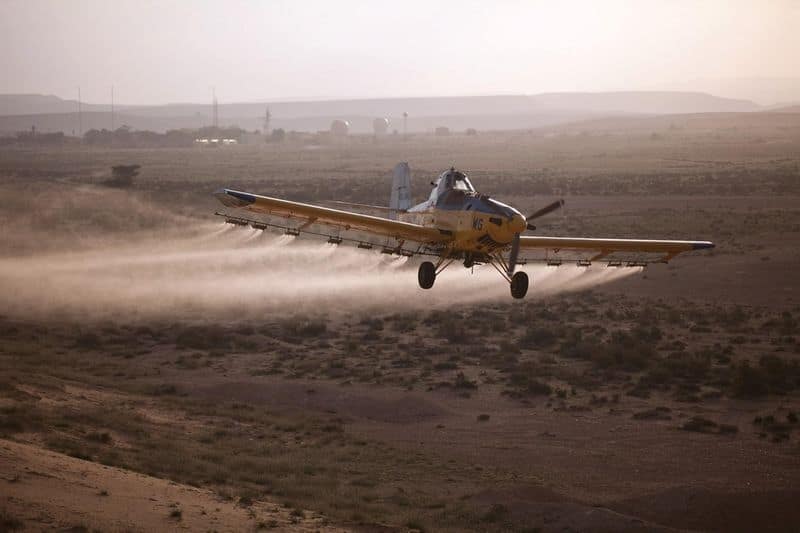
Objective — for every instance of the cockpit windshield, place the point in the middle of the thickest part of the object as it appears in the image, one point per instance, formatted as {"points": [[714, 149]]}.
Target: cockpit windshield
{"points": [[454, 179], [463, 184]]}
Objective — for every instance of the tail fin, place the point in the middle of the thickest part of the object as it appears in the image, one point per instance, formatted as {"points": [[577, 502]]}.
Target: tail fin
{"points": [[400, 199]]}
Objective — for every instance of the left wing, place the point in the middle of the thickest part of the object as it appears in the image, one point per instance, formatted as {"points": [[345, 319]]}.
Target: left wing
{"points": [[347, 220], [606, 247]]}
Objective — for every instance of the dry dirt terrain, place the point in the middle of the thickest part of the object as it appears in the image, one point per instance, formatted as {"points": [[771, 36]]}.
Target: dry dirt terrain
{"points": [[160, 370]]}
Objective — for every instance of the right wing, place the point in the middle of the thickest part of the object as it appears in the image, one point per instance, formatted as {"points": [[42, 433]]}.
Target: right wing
{"points": [[666, 249], [346, 220]]}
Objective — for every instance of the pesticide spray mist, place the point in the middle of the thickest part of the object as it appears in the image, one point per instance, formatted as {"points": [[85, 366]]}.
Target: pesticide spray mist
{"points": [[229, 272]]}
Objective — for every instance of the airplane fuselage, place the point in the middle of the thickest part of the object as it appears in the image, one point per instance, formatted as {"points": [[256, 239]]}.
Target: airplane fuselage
{"points": [[480, 225]]}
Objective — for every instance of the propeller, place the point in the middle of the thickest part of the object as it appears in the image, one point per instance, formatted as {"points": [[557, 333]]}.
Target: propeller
{"points": [[558, 204]]}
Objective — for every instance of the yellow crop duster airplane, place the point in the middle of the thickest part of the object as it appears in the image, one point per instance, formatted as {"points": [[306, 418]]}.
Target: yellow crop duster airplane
{"points": [[454, 223]]}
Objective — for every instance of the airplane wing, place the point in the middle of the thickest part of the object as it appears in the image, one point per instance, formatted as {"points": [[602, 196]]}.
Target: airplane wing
{"points": [[604, 248], [312, 214]]}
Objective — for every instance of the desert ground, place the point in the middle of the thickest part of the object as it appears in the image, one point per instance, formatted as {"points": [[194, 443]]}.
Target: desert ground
{"points": [[162, 370]]}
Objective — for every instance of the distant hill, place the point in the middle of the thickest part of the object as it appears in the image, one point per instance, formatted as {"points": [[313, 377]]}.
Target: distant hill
{"points": [[786, 109], [752, 123], [35, 104], [50, 113], [646, 102], [762, 90]]}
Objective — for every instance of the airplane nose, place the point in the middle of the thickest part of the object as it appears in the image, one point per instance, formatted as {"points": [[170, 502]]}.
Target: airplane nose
{"points": [[517, 224]]}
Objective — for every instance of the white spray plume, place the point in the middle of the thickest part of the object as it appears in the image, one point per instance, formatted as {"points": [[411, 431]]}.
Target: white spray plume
{"points": [[228, 272]]}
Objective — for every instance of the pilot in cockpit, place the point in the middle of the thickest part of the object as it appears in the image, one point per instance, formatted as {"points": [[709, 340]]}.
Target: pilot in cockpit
{"points": [[453, 186]]}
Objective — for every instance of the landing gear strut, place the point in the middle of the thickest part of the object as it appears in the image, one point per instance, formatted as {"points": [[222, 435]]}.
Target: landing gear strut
{"points": [[428, 271], [518, 281]]}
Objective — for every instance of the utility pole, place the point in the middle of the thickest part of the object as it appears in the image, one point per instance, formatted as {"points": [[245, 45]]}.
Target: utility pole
{"points": [[215, 111], [80, 115], [405, 125], [267, 118]]}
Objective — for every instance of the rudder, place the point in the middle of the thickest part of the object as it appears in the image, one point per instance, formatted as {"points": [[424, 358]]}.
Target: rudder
{"points": [[400, 199]]}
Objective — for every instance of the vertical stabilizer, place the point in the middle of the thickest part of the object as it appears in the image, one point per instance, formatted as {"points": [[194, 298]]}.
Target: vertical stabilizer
{"points": [[400, 200]]}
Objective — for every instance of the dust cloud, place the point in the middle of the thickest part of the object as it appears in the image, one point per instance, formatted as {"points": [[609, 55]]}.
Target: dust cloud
{"points": [[230, 272]]}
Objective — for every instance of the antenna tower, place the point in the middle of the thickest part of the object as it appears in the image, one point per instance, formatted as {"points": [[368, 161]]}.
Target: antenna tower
{"points": [[215, 111], [80, 115]]}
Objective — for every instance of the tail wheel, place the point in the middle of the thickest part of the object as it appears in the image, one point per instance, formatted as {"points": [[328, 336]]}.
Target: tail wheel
{"points": [[519, 285], [426, 275]]}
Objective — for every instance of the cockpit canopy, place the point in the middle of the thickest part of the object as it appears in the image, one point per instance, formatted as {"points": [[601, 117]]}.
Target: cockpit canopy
{"points": [[451, 188], [454, 179]]}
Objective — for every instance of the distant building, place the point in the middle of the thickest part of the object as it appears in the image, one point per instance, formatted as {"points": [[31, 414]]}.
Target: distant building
{"points": [[340, 128], [213, 143], [442, 131]]}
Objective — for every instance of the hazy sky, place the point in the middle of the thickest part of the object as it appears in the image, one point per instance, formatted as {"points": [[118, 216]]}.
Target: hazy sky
{"points": [[158, 52]]}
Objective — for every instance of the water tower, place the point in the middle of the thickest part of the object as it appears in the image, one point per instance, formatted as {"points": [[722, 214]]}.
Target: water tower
{"points": [[340, 128], [380, 126]]}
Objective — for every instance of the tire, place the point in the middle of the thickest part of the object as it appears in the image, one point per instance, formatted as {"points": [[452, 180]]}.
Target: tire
{"points": [[426, 275], [519, 285]]}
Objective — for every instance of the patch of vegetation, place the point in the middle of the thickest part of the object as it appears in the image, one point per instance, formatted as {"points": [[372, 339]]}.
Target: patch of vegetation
{"points": [[523, 384], [772, 375], [9, 522], [496, 513], [771, 425], [539, 337], [462, 382], [206, 337], [102, 437], [657, 413], [18, 417], [703, 425]]}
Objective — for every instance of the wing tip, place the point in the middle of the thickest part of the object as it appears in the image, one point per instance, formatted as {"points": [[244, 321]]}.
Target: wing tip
{"points": [[703, 245], [231, 198]]}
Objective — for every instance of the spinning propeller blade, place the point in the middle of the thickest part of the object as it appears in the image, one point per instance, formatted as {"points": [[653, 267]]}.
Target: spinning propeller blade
{"points": [[558, 204]]}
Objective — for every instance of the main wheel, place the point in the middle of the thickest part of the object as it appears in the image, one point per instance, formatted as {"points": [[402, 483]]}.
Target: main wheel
{"points": [[519, 285], [426, 275]]}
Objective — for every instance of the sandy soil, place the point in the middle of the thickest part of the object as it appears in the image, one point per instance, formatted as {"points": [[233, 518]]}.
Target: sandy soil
{"points": [[52, 491], [580, 470]]}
